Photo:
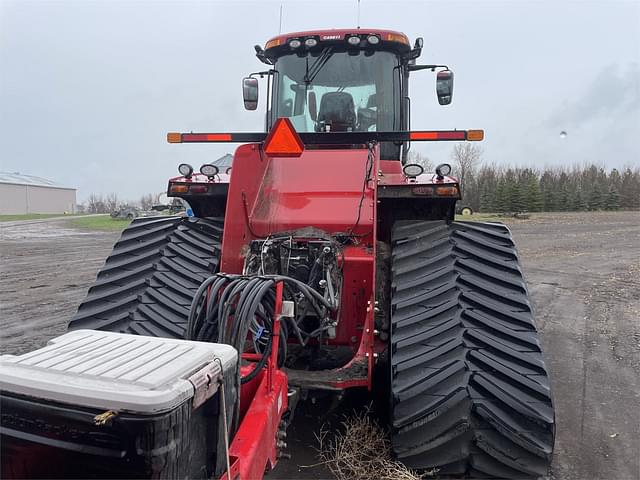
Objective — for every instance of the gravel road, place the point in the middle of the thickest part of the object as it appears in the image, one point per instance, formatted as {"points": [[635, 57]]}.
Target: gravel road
{"points": [[583, 272]]}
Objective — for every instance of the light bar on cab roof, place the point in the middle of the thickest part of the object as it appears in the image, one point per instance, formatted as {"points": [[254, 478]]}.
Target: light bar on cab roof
{"points": [[397, 37], [334, 138]]}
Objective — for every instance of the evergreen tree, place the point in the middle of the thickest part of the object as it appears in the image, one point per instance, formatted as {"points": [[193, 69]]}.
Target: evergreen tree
{"points": [[630, 189], [563, 199], [534, 201], [501, 202], [576, 201], [516, 197], [612, 201], [487, 201], [579, 202], [596, 200]]}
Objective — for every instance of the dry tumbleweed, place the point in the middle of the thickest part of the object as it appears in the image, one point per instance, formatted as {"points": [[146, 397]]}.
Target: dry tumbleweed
{"points": [[361, 450]]}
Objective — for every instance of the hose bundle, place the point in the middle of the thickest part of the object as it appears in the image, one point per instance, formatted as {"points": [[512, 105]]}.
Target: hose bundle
{"points": [[239, 311]]}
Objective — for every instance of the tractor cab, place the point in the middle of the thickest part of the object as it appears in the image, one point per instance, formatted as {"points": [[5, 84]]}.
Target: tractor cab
{"points": [[342, 81]]}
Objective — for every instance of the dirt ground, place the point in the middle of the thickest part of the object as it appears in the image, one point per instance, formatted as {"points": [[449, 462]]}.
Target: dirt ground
{"points": [[583, 272]]}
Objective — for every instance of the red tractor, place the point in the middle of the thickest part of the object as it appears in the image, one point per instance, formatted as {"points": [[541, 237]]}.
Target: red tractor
{"points": [[323, 255]]}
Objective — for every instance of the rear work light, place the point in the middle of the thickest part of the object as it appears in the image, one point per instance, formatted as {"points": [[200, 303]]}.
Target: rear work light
{"points": [[443, 170], [185, 170], [209, 170], [412, 170]]}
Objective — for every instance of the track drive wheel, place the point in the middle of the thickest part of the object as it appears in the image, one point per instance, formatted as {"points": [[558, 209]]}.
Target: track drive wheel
{"points": [[470, 390], [147, 283]]}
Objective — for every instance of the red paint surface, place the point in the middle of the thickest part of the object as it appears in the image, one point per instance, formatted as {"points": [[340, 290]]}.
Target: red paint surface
{"points": [[268, 195], [254, 445], [265, 399]]}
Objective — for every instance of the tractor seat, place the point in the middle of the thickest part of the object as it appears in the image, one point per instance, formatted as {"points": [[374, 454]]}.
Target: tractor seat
{"points": [[337, 111]]}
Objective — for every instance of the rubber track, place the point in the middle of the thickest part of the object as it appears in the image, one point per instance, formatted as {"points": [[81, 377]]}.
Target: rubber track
{"points": [[470, 391], [147, 283]]}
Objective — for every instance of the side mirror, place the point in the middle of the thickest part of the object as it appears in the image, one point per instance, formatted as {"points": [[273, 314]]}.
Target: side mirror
{"points": [[444, 87], [250, 93]]}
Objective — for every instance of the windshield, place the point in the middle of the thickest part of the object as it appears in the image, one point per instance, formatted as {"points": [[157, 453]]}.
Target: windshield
{"points": [[339, 91]]}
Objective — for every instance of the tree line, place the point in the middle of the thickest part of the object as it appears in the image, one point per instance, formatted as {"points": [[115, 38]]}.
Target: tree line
{"points": [[493, 188], [96, 203], [522, 189]]}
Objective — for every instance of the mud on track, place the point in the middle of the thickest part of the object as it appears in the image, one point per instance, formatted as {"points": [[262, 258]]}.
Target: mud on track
{"points": [[583, 272]]}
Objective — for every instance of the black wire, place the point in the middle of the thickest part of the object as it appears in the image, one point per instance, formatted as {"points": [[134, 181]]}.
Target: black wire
{"points": [[367, 177]]}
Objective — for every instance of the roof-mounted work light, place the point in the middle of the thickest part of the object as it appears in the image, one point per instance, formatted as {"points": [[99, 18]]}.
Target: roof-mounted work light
{"points": [[373, 39], [209, 170], [443, 170], [412, 170], [310, 42]]}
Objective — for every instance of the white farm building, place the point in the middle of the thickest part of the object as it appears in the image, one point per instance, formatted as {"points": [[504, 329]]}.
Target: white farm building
{"points": [[21, 194]]}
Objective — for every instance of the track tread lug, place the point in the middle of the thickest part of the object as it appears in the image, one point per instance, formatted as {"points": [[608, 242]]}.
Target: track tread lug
{"points": [[147, 284], [470, 390]]}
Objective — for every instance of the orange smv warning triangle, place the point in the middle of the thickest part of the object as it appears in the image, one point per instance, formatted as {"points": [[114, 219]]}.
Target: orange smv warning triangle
{"points": [[283, 140]]}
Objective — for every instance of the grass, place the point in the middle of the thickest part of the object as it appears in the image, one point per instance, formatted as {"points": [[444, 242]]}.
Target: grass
{"points": [[100, 222], [31, 216], [482, 217]]}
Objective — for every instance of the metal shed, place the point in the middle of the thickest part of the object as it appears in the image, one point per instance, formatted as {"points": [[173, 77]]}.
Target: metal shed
{"points": [[20, 194]]}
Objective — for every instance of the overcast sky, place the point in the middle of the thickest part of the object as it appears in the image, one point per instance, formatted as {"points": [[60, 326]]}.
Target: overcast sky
{"points": [[88, 89]]}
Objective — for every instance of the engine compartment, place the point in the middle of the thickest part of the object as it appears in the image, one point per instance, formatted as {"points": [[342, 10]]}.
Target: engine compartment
{"points": [[311, 261]]}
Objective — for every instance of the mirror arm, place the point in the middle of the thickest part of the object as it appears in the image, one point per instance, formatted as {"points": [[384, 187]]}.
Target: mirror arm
{"points": [[413, 68], [262, 74], [261, 56]]}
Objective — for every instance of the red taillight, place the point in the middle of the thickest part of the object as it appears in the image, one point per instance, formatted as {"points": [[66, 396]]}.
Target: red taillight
{"points": [[422, 190], [283, 140], [206, 137], [454, 135], [198, 189]]}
